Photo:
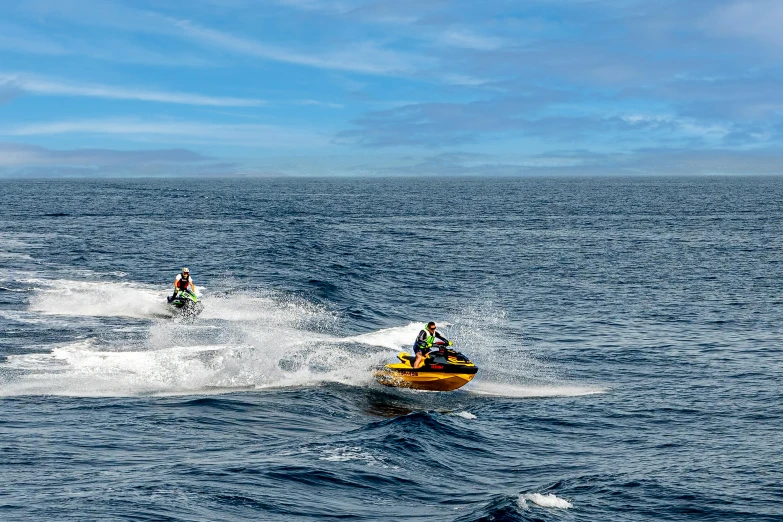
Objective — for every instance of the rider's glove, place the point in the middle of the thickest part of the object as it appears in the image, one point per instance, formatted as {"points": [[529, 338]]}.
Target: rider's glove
{"points": [[450, 343]]}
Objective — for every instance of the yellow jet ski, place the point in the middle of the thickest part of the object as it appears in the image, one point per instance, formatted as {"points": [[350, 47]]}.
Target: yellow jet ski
{"points": [[444, 370]]}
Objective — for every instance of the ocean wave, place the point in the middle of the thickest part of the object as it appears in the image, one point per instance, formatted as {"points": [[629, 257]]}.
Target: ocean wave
{"points": [[549, 501]]}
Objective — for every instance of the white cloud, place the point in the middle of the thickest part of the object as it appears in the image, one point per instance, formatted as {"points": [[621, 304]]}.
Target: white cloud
{"points": [[43, 86], [687, 126], [460, 79], [466, 39], [317, 103]]}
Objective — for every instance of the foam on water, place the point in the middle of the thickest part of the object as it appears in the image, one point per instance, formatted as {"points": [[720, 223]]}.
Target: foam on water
{"points": [[15, 255], [534, 390], [15, 241], [241, 340], [352, 453], [97, 299], [81, 369], [24, 317], [549, 501]]}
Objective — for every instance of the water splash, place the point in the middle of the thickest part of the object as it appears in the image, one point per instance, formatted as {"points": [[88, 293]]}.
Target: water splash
{"points": [[549, 501], [242, 340], [97, 299]]}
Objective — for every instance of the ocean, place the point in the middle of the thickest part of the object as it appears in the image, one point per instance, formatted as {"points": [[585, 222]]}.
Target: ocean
{"points": [[628, 334]]}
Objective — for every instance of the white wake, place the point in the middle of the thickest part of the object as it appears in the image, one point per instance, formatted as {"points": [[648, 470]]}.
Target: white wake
{"points": [[240, 341]]}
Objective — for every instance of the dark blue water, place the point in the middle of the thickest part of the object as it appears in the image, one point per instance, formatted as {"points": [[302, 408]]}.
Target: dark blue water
{"points": [[628, 334]]}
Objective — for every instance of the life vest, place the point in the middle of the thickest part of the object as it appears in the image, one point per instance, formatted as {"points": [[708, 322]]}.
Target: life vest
{"points": [[430, 339], [183, 283]]}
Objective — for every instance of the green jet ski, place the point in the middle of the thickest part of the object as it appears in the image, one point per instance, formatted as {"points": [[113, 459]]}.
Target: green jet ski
{"points": [[185, 304]]}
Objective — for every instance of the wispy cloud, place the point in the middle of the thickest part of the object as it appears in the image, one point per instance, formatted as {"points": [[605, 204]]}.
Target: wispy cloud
{"points": [[19, 40], [467, 39], [188, 132], [442, 123], [317, 103], [376, 11], [317, 5], [408, 15], [43, 86], [758, 20], [96, 13], [445, 124], [19, 154], [9, 91], [364, 57]]}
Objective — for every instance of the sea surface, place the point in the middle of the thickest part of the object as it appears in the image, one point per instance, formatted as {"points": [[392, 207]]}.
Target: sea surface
{"points": [[628, 331]]}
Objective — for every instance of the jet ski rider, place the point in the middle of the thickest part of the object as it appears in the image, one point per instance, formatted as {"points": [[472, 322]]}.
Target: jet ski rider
{"points": [[424, 342], [183, 282]]}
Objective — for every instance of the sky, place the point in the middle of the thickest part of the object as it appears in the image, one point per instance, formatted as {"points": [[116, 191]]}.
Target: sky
{"points": [[390, 87]]}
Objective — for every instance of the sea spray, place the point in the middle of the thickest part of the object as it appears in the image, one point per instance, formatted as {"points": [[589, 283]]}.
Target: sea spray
{"points": [[263, 339], [98, 299]]}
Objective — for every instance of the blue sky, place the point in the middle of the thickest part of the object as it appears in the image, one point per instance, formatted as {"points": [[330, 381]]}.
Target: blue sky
{"points": [[344, 87]]}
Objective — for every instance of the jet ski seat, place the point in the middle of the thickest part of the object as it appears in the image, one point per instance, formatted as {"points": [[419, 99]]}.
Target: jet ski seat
{"points": [[407, 358]]}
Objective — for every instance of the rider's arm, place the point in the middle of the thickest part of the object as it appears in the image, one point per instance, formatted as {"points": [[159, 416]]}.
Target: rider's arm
{"points": [[439, 336], [421, 339], [192, 286], [176, 280]]}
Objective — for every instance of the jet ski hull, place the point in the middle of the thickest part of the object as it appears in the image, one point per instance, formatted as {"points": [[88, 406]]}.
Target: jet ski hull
{"points": [[417, 380], [185, 305], [440, 373]]}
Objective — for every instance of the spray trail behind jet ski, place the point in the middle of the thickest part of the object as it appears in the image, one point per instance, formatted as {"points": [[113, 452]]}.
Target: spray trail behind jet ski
{"points": [[242, 340]]}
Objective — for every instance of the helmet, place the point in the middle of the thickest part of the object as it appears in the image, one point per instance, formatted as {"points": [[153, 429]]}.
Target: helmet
{"points": [[185, 270]]}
